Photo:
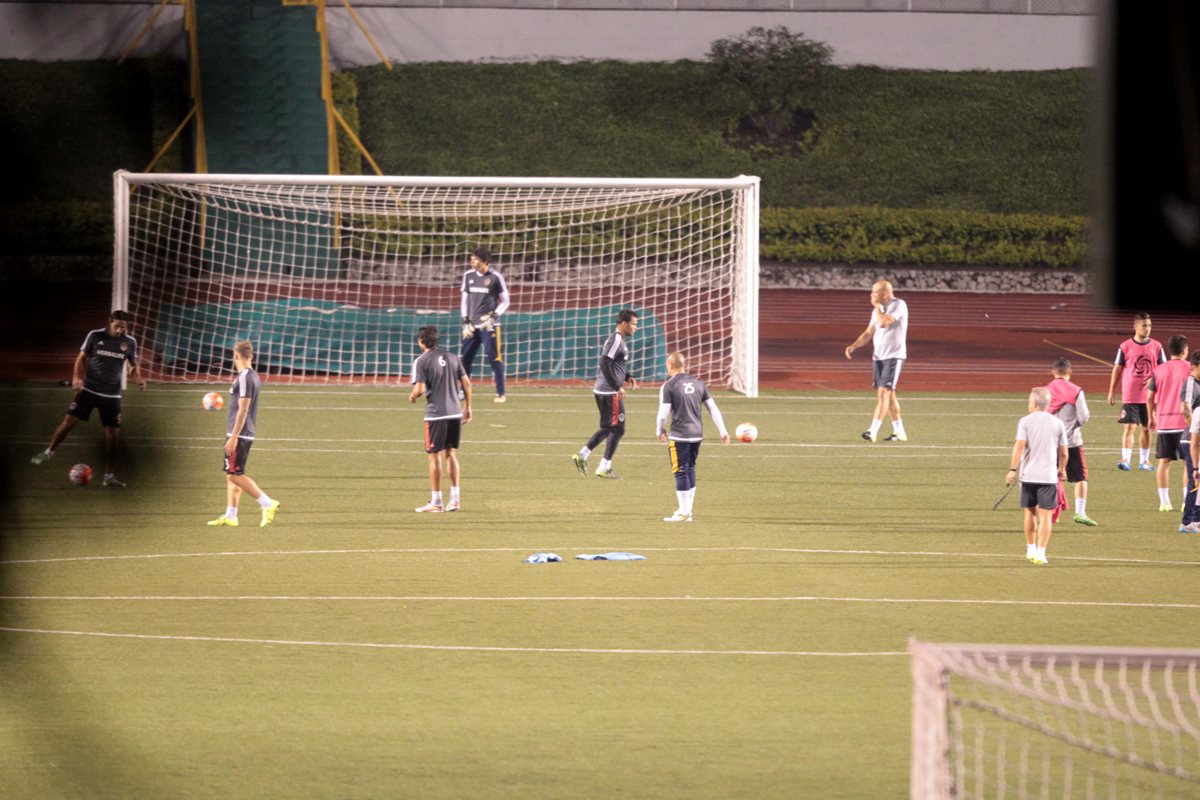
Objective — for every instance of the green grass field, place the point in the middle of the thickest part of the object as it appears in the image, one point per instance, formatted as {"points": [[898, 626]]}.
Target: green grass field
{"points": [[358, 650]]}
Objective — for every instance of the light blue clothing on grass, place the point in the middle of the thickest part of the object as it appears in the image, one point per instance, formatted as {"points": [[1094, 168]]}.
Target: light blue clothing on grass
{"points": [[611, 557]]}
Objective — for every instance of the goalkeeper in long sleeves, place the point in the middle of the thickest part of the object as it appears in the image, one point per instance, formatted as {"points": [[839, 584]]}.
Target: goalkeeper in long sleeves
{"points": [[680, 399], [484, 299]]}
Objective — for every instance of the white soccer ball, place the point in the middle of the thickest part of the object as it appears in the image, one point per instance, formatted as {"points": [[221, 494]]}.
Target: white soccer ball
{"points": [[746, 432], [213, 401], [80, 474]]}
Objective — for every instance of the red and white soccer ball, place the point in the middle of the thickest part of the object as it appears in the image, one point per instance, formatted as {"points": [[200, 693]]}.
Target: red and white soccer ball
{"points": [[746, 432], [213, 401], [80, 474]]}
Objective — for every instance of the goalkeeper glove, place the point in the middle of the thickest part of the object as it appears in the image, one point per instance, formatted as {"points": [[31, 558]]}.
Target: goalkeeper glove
{"points": [[468, 330], [488, 321]]}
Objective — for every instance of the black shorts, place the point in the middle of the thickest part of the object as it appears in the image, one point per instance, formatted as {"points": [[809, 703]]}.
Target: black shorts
{"points": [[1134, 414], [84, 401], [1076, 465], [236, 464], [885, 372], [1042, 495], [612, 410], [1171, 445], [442, 434]]}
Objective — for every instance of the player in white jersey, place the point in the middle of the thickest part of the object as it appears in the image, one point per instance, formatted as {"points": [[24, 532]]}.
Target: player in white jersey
{"points": [[887, 330], [1040, 451], [97, 378], [680, 399], [241, 430]]}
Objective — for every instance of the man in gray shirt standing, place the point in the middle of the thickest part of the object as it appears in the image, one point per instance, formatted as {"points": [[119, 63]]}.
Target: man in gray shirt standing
{"points": [[1041, 452], [609, 391], [242, 427], [680, 398], [438, 375]]}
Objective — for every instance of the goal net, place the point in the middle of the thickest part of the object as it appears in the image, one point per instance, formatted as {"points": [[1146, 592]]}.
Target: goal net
{"points": [[1026, 722], [331, 277]]}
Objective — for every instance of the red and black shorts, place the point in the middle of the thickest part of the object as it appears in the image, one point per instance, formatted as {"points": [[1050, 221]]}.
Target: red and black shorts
{"points": [[612, 410], [236, 464], [1134, 414], [442, 434]]}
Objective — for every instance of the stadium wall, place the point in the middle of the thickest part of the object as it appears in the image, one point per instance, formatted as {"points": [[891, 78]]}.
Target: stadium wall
{"points": [[893, 39]]}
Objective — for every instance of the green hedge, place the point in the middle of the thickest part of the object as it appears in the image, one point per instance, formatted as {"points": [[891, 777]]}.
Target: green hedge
{"points": [[78, 227], [906, 236]]}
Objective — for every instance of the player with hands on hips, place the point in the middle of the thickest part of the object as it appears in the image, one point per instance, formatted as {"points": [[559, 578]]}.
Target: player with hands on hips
{"points": [[484, 300]]}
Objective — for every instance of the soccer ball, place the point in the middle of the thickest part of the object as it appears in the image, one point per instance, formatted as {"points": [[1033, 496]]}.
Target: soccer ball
{"points": [[80, 474], [746, 432], [213, 401]]}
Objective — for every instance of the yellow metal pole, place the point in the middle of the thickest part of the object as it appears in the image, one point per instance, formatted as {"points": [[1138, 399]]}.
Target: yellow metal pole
{"points": [[331, 146], [367, 33], [357, 142], [145, 28], [170, 140], [189, 23]]}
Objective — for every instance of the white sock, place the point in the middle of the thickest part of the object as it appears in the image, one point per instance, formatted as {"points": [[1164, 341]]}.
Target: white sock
{"points": [[108, 475], [584, 453], [605, 465], [898, 427], [1041, 553], [1030, 550], [454, 494], [1126, 454], [681, 498], [1164, 496], [1081, 505], [264, 501], [49, 453], [436, 498], [1145, 451], [231, 512], [876, 424]]}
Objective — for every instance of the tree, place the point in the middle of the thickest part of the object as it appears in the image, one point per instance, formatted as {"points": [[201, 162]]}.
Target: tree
{"points": [[771, 70]]}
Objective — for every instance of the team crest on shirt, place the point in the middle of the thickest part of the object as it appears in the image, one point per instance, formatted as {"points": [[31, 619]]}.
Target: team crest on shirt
{"points": [[124, 347], [487, 281]]}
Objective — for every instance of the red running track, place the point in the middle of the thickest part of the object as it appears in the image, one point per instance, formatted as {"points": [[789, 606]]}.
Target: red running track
{"points": [[956, 341]]}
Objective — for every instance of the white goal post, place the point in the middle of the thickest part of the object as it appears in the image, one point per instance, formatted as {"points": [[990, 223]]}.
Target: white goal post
{"points": [[331, 276], [994, 721]]}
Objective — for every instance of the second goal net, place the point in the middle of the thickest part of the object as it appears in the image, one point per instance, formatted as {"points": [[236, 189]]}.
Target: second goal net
{"points": [[1054, 722], [331, 277]]}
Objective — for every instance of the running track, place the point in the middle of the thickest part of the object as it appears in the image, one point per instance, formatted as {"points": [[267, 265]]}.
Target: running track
{"points": [[956, 341]]}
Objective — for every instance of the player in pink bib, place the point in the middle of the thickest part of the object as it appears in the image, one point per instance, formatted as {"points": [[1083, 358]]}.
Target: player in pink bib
{"points": [[1134, 365]]}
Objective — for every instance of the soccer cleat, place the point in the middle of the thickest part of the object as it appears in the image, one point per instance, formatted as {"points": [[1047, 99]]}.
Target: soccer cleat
{"points": [[1124, 466], [1165, 507], [112, 483], [870, 437], [678, 516], [607, 473], [1040, 560], [40, 458], [1084, 519], [895, 437], [580, 464], [1146, 466], [268, 514], [223, 522], [429, 508], [452, 506], [501, 399], [1191, 527]]}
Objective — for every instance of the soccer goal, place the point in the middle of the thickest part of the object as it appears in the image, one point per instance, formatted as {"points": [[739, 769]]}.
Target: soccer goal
{"points": [[1042, 722], [331, 277]]}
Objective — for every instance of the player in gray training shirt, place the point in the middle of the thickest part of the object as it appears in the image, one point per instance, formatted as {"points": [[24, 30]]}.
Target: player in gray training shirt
{"points": [[609, 392], [484, 300], [1040, 451], [680, 398], [97, 377], [240, 430], [439, 376]]}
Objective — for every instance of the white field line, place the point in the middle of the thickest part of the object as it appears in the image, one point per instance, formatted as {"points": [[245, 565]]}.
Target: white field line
{"points": [[592, 548], [594, 599], [452, 647]]}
